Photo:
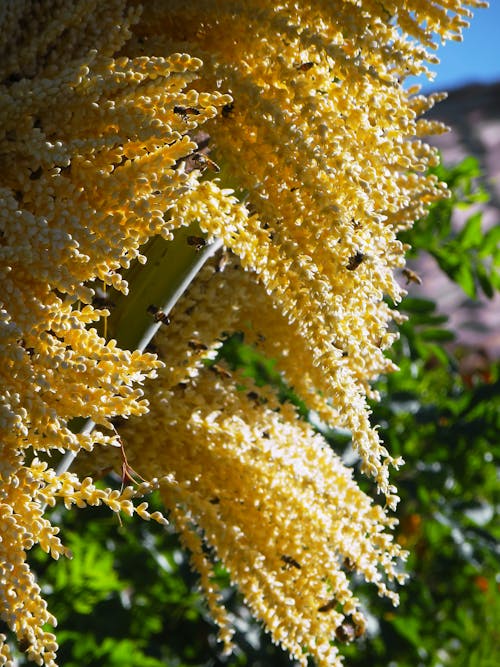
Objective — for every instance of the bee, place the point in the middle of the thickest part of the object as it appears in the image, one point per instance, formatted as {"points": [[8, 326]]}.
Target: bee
{"points": [[24, 644], [221, 371], [252, 210], [101, 299], [359, 629], [348, 564], [331, 604], [185, 112], [215, 500], [223, 261], [202, 162], [13, 78], [18, 194], [158, 314], [118, 421], [29, 350], [288, 560], [35, 175], [227, 109], [197, 345], [197, 241], [304, 67], [355, 260], [346, 633], [411, 277], [253, 396]]}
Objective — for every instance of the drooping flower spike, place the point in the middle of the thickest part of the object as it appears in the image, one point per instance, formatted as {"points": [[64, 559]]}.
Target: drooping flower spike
{"points": [[130, 138]]}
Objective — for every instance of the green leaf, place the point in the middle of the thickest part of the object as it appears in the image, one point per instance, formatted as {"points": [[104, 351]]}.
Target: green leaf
{"points": [[409, 629], [427, 319], [495, 280], [440, 353], [416, 305], [471, 234], [484, 281], [490, 242], [469, 167], [437, 335], [464, 277]]}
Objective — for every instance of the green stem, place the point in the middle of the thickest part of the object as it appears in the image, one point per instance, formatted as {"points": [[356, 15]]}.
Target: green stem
{"points": [[157, 285]]}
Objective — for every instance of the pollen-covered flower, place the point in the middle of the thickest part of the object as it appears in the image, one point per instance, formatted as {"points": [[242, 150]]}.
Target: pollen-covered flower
{"points": [[286, 132]]}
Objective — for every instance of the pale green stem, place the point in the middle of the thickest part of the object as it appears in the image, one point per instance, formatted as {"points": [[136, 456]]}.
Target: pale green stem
{"points": [[159, 284]]}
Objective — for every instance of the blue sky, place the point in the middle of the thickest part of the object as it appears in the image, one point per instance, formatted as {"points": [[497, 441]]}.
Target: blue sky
{"points": [[476, 59]]}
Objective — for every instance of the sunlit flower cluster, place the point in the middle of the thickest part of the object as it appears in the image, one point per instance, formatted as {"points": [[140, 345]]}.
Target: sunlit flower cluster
{"points": [[288, 133], [251, 485]]}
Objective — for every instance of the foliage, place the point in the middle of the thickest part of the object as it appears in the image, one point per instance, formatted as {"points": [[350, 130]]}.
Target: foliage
{"points": [[470, 257], [128, 597], [441, 411]]}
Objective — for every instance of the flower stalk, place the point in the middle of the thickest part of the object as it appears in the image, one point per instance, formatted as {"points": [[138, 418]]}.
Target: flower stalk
{"points": [[156, 286], [170, 269]]}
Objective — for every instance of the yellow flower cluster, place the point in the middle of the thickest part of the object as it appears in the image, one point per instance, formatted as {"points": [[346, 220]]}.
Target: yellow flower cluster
{"points": [[24, 496], [322, 143], [251, 484], [316, 163], [89, 146]]}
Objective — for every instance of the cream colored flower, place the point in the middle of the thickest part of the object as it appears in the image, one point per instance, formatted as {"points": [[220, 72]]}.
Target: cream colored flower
{"points": [[315, 165]]}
